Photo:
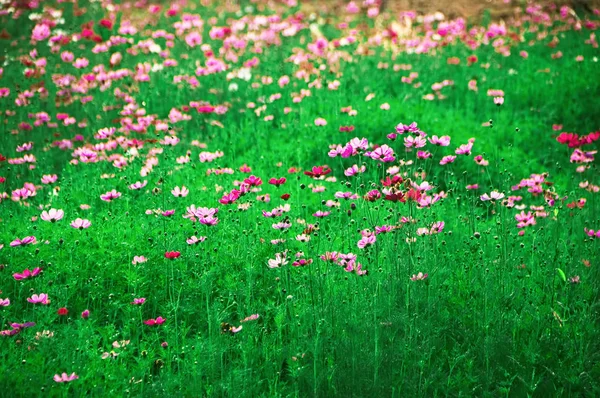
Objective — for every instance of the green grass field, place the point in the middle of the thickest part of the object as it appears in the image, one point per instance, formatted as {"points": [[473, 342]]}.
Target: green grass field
{"points": [[258, 200]]}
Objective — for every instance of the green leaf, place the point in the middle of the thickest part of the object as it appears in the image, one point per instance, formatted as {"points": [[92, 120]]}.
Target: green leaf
{"points": [[562, 274]]}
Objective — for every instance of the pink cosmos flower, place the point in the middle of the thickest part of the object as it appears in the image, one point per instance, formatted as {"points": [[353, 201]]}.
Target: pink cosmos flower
{"points": [[28, 240], [110, 195], [64, 378], [40, 32], [138, 301], [194, 239], [349, 172], [447, 159], [498, 100], [321, 214], [39, 299], [4, 302], [441, 141], [366, 241], [412, 141], [419, 277], [525, 220], [320, 122], [27, 274], [384, 153], [52, 215], [153, 322], [464, 149], [180, 192], [85, 314], [138, 260], [138, 185], [81, 223], [49, 178]]}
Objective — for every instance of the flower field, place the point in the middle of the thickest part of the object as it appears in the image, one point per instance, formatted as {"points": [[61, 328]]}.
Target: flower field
{"points": [[277, 199]]}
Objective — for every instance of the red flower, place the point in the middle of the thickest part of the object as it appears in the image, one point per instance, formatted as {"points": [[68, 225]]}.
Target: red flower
{"points": [[107, 23], [172, 254], [2, 158], [63, 311], [2, 179], [285, 196]]}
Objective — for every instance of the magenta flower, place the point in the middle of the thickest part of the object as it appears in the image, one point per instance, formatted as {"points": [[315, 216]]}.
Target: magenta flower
{"points": [[85, 314], [28, 240], [27, 274], [110, 195], [277, 181], [153, 322], [180, 192], [52, 215], [419, 277], [253, 181], [81, 223], [64, 378], [591, 233], [42, 298]]}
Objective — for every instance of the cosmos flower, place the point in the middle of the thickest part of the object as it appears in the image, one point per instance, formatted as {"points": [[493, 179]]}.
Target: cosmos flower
{"points": [[64, 378], [80, 223], [52, 215], [42, 298]]}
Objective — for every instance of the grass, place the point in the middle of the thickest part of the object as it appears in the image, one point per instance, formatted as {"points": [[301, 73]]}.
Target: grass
{"points": [[503, 310]]}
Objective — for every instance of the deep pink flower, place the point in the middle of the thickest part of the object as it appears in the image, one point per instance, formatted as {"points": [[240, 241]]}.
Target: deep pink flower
{"points": [[110, 195], [172, 255], [153, 322], [277, 181], [138, 301], [27, 274]]}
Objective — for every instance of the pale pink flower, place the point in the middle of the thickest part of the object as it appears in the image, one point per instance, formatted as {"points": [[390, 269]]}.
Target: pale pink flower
{"points": [[441, 141], [419, 277], [194, 239], [138, 260], [494, 195], [64, 378], [447, 159], [138, 185], [320, 122], [4, 302], [180, 192], [366, 241], [280, 259], [52, 215], [81, 223], [49, 178]]}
